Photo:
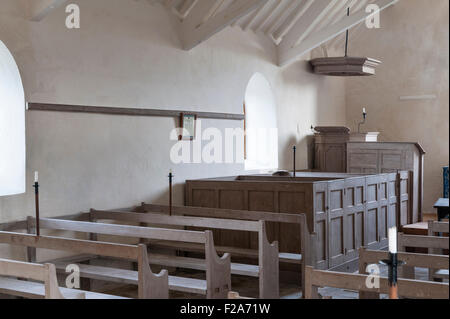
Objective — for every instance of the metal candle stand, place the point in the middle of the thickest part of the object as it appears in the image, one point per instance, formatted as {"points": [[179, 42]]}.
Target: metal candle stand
{"points": [[363, 122], [294, 149], [170, 193], [36, 200], [392, 264]]}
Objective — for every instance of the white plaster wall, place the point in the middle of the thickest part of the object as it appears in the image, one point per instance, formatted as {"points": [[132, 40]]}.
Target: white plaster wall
{"points": [[128, 54], [413, 46]]}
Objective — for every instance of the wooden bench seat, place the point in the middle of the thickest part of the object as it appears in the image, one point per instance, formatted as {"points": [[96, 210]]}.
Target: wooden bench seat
{"points": [[130, 277], [200, 264], [35, 290], [234, 251]]}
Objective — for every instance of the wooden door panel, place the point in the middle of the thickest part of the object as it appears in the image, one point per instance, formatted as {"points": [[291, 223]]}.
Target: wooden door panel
{"points": [[336, 225], [354, 216]]}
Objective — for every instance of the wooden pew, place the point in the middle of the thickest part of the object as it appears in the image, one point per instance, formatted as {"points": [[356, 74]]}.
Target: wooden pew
{"points": [[407, 288], [218, 275], [417, 241], [43, 273], [307, 239], [151, 286], [438, 229], [267, 271], [367, 257]]}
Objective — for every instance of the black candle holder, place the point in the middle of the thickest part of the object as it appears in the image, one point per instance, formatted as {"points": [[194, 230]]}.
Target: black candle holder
{"points": [[393, 263], [36, 200], [294, 151]]}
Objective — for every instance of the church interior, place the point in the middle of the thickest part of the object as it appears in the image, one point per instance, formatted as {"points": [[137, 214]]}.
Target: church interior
{"points": [[224, 149]]}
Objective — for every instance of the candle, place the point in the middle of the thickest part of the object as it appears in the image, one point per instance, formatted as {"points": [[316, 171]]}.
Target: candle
{"points": [[36, 176], [393, 240], [364, 110]]}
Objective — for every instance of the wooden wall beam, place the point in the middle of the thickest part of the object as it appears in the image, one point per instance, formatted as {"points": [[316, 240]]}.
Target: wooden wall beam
{"points": [[129, 111]]}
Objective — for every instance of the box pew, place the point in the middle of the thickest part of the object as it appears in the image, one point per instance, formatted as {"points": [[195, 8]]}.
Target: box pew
{"points": [[218, 276], [307, 240], [437, 229], [417, 241], [367, 257], [268, 265], [43, 273], [407, 288], [150, 285]]}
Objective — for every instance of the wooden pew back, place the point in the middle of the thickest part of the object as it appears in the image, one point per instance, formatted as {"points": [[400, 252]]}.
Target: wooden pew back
{"points": [[151, 286], [407, 288], [368, 257], [434, 228], [268, 252], [307, 239], [44, 273], [418, 241], [217, 268]]}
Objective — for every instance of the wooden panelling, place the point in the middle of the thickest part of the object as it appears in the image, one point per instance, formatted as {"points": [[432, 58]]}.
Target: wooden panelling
{"points": [[392, 158], [336, 222], [345, 212], [354, 216]]}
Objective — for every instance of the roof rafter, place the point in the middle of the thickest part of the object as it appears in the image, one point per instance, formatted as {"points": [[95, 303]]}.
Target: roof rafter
{"points": [[195, 29]]}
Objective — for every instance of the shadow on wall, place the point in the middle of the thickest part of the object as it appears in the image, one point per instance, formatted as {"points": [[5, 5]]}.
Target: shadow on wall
{"points": [[323, 100], [305, 152], [178, 196]]}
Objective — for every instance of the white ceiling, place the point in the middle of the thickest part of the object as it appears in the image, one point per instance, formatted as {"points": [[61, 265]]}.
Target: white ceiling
{"points": [[295, 26]]}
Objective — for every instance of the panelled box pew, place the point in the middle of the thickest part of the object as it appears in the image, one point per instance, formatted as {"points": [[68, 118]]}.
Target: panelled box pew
{"points": [[150, 285], [218, 276], [407, 288], [268, 265], [302, 236], [346, 211], [42, 273]]}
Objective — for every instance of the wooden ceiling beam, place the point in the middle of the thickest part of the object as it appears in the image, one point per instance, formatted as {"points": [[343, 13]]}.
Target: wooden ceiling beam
{"points": [[313, 15], [196, 32]]}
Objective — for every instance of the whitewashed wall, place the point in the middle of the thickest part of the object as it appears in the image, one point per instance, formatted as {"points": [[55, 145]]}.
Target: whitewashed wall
{"points": [[128, 54]]}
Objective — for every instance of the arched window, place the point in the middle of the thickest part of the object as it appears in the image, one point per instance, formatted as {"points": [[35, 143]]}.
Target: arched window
{"points": [[261, 134], [12, 126]]}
